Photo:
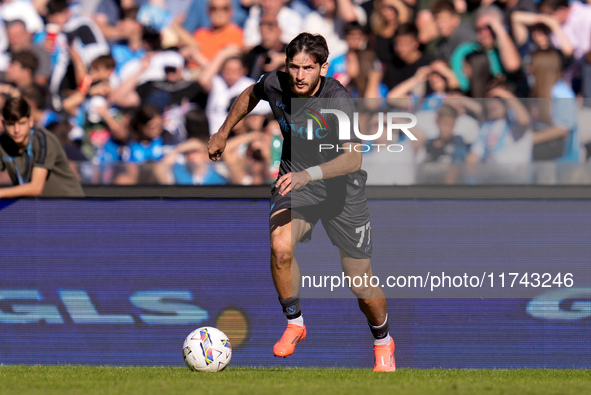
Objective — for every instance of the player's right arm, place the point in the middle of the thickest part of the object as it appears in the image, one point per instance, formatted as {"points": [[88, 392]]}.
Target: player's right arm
{"points": [[242, 106]]}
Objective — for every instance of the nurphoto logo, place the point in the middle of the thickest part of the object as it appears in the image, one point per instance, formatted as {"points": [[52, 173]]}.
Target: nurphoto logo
{"points": [[394, 121]]}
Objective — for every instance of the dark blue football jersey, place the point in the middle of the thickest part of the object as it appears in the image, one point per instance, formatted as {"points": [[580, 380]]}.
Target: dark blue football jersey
{"points": [[299, 151]]}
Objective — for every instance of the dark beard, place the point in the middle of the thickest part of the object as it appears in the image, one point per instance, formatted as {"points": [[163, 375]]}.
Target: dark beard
{"points": [[311, 87]]}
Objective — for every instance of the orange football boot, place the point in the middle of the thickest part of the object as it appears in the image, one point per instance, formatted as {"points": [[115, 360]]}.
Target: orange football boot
{"points": [[384, 357], [286, 345]]}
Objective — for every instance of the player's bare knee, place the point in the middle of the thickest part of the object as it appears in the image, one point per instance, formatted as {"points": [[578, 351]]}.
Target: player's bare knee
{"points": [[362, 292], [280, 252]]}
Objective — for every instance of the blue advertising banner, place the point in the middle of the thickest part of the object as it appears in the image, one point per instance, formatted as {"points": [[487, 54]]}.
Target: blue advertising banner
{"points": [[123, 282]]}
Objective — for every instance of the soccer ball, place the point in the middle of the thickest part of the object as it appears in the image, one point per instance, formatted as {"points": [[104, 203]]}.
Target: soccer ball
{"points": [[207, 349]]}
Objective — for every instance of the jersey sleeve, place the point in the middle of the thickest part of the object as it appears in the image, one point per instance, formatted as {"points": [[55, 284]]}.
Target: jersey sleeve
{"points": [[259, 86], [343, 101]]}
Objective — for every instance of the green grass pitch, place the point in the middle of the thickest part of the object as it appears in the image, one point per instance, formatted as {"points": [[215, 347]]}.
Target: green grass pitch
{"points": [[237, 380]]}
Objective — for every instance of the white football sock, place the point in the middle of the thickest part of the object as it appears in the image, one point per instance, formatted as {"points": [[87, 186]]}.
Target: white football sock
{"points": [[382, 342], [297, 321]]}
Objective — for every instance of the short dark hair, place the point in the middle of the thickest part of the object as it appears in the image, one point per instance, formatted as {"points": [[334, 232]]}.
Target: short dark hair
{"points": [[27, 59], [239, 58], [554, 4], [151, 37], [355, 26], [144, 114], [15, 108], [443, 5], [56, 6], [37, 94], [106, 61], [312, 44], [407, 29]]}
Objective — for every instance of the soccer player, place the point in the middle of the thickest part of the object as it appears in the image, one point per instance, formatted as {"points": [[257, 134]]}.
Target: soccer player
{"points": [[33, 157], [313, 185]]}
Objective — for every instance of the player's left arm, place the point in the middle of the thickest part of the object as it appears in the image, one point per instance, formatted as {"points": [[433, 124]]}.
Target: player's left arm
{"points": [[346, 163], [30, 189]]}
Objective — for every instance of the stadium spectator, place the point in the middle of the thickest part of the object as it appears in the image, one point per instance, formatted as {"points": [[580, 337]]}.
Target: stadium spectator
{"points": [[62, 130], [151, 67], [197, 17], [90, 104], [19, 39], [33, 157], [442, 155], [556, 133], [150, 142], [222, 32], [409, 57], [427, 90], [491, 34], [505, 137], [439, 79], [575, 20], [329, 19], [37, 97], [383, 21], [24, 11], [131, 44], [447, 147], [116, 148], [470, 112], [473, 70], [224, 78], [197, 125], [269, 55], [154, 14], [247, 156], [503, 57], [452, 30], [100, 80], [173, 91], [509, 7], [110, 16], [76, 32], [405, 9], [188, 164], [533, 32], [102, 69], [159, 58], [290, 22], [22, 68], [353, 69]]}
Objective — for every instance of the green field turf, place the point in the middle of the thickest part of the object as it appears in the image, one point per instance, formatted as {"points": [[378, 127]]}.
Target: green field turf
{"points": [[161, 380]]}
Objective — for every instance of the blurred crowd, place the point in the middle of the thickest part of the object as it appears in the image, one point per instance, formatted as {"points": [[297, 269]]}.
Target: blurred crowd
{"points": [[125, 83]]}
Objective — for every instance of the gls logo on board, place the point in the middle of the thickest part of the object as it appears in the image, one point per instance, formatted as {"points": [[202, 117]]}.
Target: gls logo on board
{"points": [[344, 124], [17, 306], [567, 304]]}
